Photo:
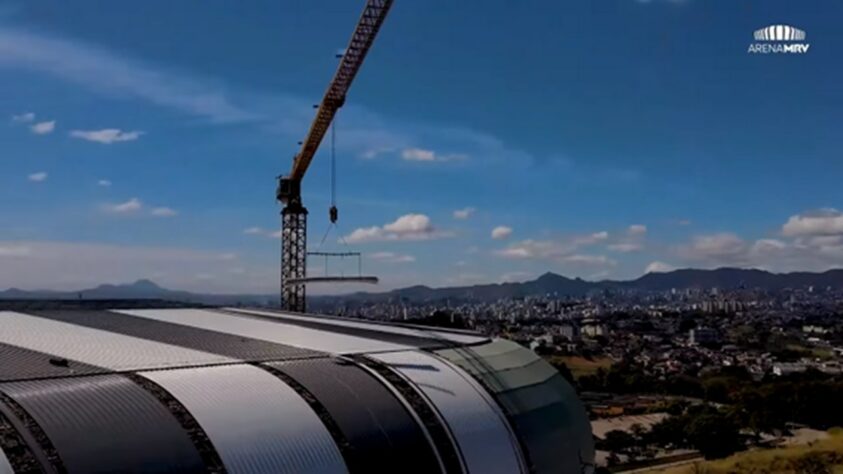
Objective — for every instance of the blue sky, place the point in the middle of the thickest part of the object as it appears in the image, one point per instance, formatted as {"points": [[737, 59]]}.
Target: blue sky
{"points": [[602, 139]]}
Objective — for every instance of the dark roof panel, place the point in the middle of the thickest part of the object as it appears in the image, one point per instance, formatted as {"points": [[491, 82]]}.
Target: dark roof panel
{"points": [[106, 423], [18, 363], [383, 437]]}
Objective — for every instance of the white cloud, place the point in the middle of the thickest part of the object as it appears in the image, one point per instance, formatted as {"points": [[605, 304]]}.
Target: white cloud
{"points": [[536, 249], [464, 213], [253, 231], [827, 221], [591, 260], [391, 257], [659, 267], [106, 136], [406, 227], [556, 249], [25, 117], [625, 247], [637, 229], [43, 128], [809, 244], [501, 232], [38, 177], [722, 248], [419, 154], [112, 74], [684, 222], [410, 224], [373, 153], [164, 212], [128, 207], [592, 238], [104, 183]]}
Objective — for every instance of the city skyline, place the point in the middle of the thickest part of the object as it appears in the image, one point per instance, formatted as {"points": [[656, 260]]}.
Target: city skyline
{"points": [[143, 145]]}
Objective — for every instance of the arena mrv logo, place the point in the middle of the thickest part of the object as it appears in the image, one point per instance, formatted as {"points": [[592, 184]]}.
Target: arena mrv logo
{"points": [[779, 39]]}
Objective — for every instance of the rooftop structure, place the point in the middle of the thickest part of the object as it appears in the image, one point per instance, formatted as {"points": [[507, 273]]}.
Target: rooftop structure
{"points": [[238, 390]]}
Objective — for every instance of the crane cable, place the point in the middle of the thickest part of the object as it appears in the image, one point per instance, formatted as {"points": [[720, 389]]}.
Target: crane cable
{"points": [[333, 212]]}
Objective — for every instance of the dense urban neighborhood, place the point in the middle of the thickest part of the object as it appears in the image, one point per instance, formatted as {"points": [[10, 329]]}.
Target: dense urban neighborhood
{"points": [[674, 375]]}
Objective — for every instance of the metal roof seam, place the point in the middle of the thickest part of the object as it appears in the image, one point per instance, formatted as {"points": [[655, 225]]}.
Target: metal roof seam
{"points": [[522, 444], [175, 334], [440, 432], [276, 331], [34, 436], [206, 449], [384, 437], [413, 341], [257, 422], [15, 450], [404, 402], [418, 330], [472, 421], [330, 424]]}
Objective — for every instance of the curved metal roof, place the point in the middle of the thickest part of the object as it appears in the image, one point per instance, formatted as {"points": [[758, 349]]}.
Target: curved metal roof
{"points": [[5, 467], [257, 422], [382, 436], [210, 390], [96, 347], [272, 331], [549, 419], [106, 423], [475, 422]]}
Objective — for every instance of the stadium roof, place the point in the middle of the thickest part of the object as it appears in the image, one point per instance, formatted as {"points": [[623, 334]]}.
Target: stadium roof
{"points": [[234, 390]]}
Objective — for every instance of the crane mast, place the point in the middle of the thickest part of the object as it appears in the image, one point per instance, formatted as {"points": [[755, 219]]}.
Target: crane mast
{"points": [[294, 214]]}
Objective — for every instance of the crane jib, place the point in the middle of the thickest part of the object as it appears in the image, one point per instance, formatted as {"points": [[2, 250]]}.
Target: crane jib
{"points": [[362, 39], [294, 214]]}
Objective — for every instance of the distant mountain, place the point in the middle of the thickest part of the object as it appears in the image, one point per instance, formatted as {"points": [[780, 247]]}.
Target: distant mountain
{"points": [[141, 289], [549, 283], [728, 278]]}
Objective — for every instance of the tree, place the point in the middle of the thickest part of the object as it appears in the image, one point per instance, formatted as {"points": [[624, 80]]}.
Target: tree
{"points": [[714, 434], [563, 370], [618, 441], [669, 433]]}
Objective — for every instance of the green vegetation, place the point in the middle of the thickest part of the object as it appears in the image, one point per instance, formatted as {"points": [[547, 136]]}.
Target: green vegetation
{"points": [[811, 398], [711, 431], [580, 366], [820, 457]]}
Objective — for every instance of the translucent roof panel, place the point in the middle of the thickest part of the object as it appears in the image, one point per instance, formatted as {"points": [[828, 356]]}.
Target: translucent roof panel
{"points": [[550, 420], [256, 422], [480, 429]]}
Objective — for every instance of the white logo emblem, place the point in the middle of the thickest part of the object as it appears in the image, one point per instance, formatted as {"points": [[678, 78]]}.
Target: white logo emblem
{"points": [[777, 39]]}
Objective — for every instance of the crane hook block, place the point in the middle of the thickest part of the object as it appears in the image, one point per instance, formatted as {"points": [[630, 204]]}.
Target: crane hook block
{"points": [[334, 214]]}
